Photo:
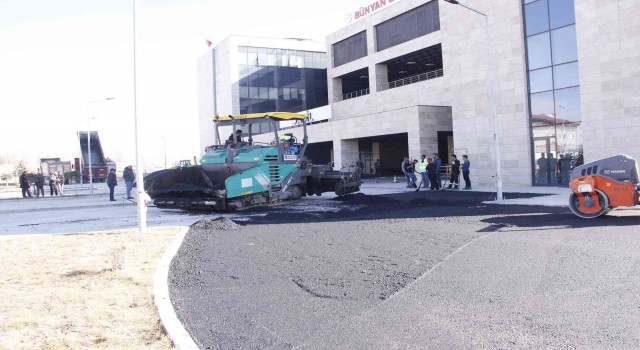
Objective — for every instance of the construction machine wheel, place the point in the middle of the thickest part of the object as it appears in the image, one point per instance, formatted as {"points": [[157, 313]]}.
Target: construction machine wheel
{"points": [[589, 206]]}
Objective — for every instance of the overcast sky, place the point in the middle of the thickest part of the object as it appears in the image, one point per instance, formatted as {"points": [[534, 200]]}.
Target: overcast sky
{"points": [[57, 56]]}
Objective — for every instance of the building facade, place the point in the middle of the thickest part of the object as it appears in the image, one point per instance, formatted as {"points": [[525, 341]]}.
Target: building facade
{"points": [[251, 75], [416, 78]]}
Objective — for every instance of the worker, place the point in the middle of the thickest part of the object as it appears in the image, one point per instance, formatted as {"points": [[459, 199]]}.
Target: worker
{"points": [[287, 143], [237, 138]]}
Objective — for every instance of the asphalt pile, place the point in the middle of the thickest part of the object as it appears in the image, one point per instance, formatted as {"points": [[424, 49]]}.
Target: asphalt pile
{"points": [[223, 224]]}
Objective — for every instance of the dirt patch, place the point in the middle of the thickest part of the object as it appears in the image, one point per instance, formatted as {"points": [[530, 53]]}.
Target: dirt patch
{"points": [[223, 224], [71, 291]]}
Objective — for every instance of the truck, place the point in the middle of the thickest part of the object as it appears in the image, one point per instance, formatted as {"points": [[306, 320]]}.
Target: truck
{"points": [[237, 174], [51, 165], [99, 165]]}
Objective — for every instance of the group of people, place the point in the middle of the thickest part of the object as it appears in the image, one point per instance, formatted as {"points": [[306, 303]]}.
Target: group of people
{"points": [[430, 173], [55, 180], [127, 175]]}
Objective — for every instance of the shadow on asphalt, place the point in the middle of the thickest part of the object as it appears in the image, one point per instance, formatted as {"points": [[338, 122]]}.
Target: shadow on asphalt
{"points": [[564, 220], [359, 207]]}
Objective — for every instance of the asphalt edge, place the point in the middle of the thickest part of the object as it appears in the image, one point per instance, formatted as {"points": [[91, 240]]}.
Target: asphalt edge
{"points": [[174, 328]]}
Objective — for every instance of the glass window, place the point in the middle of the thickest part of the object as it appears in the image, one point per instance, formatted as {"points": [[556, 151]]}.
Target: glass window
{"points": [[350, 49], [273, 93], [561, 13], [244, 92], [417, 22], [286, 93], [563, 44], [242, 58], [542, 104], [540, 80], [538, 51], [536, 17], [262, 59], [566, 75], [271, 59], [264, 93], [568, 105], [252, 59], [253, 92]]}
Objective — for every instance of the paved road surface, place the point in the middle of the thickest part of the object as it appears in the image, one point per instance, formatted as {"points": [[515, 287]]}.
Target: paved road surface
{"points": [[409, 272]]}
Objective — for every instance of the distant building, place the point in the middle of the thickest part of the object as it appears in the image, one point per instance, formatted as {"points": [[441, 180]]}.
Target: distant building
{"points": [[251, 75]]}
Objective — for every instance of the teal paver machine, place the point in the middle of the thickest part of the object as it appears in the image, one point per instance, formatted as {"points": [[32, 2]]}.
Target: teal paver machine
{"points": [[239, 173]]}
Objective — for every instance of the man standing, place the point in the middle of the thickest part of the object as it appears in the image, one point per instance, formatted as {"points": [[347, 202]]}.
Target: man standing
{"points": [[53, 183], [60, 182], [112, 182], [431, 171], [409, 169], [422, 169], [24, 185], [39, 184], [455, 173], [378, 169], [128, 177], [404, 171], [438, 163], [465, 172]]}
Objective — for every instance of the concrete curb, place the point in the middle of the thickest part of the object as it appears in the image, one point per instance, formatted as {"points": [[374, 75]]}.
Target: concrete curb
{"points": [[176, 331]]}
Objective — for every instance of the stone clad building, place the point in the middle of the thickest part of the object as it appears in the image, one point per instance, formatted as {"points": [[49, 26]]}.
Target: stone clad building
{"points": [[413, 77]]}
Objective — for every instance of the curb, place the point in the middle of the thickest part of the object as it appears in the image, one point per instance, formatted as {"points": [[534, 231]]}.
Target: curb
{"points": [[176, 331]]}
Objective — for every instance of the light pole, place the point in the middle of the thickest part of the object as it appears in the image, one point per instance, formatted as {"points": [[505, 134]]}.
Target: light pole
{"points": [[89, 141], [142, 196], [496, 129]]}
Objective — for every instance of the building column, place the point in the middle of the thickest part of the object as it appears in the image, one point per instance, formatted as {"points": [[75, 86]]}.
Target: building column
{"points": [[379, 79], [336, 87], [345, 152]]}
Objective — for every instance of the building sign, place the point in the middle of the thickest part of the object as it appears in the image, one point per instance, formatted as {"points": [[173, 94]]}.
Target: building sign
{"points": [[370, 8]]}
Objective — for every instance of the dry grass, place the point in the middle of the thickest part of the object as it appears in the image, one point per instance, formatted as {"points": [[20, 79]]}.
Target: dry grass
{"points": [[81, 291]]}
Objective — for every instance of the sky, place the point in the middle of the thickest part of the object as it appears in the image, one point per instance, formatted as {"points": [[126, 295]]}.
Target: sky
{"points": [[60, 61]]}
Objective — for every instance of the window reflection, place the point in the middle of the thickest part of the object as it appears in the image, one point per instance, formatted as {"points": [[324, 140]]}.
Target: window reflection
{"points": [[563, 44], [538, 51], [565, 75], [276, 80], [540, 80], [561, 13], [567, 104], [541, 105], [536, 17]]}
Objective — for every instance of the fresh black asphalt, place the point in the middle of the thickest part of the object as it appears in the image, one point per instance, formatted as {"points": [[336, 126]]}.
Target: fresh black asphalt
{"points": [[436, 270]]}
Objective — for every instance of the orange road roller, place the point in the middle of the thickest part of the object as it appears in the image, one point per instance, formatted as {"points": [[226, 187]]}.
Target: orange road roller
{"points": [[603, 185]]}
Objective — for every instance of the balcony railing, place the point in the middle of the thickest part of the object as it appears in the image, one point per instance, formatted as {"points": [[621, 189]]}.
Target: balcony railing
{"points": [[353, 94], [410, 80]]}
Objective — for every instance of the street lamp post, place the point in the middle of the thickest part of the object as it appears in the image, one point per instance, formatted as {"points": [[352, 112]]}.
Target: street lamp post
{"points": [[142, 196], [89, 141], [496, 127]]}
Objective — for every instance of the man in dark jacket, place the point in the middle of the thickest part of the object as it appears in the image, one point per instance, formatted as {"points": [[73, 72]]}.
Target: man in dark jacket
{"points": [[438, 163], [39, 184], [432, 173], [129, 177], [112, 182], [455, 173], [466, 164], [24, 185]]}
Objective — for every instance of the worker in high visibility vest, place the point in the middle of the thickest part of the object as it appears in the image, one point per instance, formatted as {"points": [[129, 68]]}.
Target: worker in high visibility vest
{"points": [[287, 143], [422, 169]]}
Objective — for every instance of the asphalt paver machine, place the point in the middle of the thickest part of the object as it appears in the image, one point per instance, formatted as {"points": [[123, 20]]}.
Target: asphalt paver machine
{"points": [[237, 174], [603, 185]]}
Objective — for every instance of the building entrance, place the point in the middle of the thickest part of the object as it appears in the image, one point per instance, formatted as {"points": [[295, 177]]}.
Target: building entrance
{"points": [[546, 164], [390, 149]]}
